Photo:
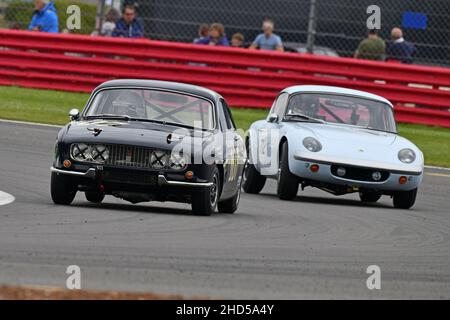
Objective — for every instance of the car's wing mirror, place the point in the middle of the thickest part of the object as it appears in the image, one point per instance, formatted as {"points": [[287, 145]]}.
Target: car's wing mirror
{"points": [[273, 117], [74, 114]]}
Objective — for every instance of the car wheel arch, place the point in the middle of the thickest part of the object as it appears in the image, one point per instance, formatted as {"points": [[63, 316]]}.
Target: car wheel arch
{"points": [[283, 140], [250, 154]]}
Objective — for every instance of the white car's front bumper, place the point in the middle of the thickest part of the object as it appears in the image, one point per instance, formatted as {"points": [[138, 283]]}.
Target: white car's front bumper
{"points": [[301, 165]]}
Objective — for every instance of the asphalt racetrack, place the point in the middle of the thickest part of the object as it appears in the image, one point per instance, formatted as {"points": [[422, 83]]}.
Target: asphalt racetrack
{"points": [[318, 246]]}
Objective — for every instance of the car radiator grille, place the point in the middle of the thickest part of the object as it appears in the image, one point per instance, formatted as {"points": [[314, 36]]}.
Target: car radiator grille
{"points": [[129, 157], [359, 174]]}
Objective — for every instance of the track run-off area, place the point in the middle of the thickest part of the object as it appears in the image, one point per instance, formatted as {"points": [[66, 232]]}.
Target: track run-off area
{"points": [[317, 246]]}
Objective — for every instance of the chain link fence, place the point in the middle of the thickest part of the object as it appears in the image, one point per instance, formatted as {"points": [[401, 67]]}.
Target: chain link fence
{"points": [[17, 14], [333, 28]]}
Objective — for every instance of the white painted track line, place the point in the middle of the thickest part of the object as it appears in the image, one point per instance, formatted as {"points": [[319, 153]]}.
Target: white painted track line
{"points": [[31, 123], [6, 198]]}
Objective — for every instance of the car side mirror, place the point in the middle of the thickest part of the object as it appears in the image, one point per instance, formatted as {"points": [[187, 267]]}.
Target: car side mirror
{"points": [[273, 117], [74, 114]]}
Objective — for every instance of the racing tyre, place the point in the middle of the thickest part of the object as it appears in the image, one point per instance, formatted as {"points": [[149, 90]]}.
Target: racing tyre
{"points": [[405, 199], [287, 182], [204, 202], [370, 197], [94, 197], [252, 181], [230, 205], [61, 189]]}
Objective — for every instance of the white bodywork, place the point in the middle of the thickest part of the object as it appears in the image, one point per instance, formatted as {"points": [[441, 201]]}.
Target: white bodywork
{"points": [[342, 145]]}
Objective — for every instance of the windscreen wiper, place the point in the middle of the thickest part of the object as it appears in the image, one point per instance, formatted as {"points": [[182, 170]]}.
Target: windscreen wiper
{"points": [[374, 129], [304, 117], [109, 117], [175, 124]]}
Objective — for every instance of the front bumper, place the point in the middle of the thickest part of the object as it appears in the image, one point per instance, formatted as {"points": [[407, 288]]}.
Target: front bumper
{"points": [[91, 173], [301, 167]]}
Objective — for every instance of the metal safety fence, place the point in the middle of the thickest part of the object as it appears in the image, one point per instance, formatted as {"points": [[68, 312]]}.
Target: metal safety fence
{"points": [[246, 78], [323, 27]]}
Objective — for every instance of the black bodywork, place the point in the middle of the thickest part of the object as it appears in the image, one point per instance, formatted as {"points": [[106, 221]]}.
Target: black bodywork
{"points": [[130, 139]]}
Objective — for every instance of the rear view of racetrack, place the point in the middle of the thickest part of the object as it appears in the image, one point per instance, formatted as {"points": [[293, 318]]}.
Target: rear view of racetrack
{"points": [[317, 246]]}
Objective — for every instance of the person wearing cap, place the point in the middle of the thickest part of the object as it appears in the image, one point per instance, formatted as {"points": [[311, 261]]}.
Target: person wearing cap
{"points": [[44, 18]]}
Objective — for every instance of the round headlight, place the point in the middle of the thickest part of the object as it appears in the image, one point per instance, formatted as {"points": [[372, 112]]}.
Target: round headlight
{"points": [[406, 156], [376, 176], [312, 144], [158, 159], [177, 161], [80, 152], [341, 171], [99, 153]]}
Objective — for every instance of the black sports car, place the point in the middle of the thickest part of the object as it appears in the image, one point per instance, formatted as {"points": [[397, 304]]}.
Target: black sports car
{"points": [[143, 140]]}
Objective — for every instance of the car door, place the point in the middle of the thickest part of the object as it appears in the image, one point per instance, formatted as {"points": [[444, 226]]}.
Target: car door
{"points": [[233, 151], [269, 137]]}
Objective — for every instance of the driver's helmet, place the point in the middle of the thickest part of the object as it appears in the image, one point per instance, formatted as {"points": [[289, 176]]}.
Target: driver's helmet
{"points": [[130, 104], [306, 104]]}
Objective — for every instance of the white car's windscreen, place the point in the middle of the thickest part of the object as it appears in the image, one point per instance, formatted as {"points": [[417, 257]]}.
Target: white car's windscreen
{"points": [[342, 109], [154, 105]]}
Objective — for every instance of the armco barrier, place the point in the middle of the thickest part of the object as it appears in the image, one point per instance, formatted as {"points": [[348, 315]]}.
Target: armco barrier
{"points": [[246, 78]]}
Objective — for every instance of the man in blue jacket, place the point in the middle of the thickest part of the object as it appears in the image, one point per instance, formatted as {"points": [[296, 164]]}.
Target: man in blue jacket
{"points": [[128, 26], [44, 17], [399, 49]]}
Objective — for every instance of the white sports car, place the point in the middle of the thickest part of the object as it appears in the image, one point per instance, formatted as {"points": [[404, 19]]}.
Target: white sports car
{"points": [[335, 139]]}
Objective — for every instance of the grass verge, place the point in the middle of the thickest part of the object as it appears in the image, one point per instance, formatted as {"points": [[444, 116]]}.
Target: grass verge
{"points": [[52, 107]]}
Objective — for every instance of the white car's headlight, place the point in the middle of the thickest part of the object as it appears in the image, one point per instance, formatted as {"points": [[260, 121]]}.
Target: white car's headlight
{"points": [[312, 144], [406, 156], [159, 159], [177, 161]]}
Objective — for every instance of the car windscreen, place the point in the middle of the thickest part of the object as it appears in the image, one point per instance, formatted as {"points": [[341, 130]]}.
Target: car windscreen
{"points": [[153, 105], [342, 109]]}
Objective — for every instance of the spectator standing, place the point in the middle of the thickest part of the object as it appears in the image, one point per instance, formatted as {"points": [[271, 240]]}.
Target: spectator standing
{"points": [[109, 25], [216, 36], [268, 40], [44, 17], [399, 49], [371, 48], [237, 40], [203, 31], [128, 26]]}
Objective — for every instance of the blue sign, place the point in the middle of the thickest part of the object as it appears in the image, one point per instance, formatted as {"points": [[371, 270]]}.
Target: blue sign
{"points": [[414, 20]]}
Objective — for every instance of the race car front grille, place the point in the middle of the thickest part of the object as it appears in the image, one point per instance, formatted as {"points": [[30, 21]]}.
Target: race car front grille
{"points": [[359, 174], [137, 157]]}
